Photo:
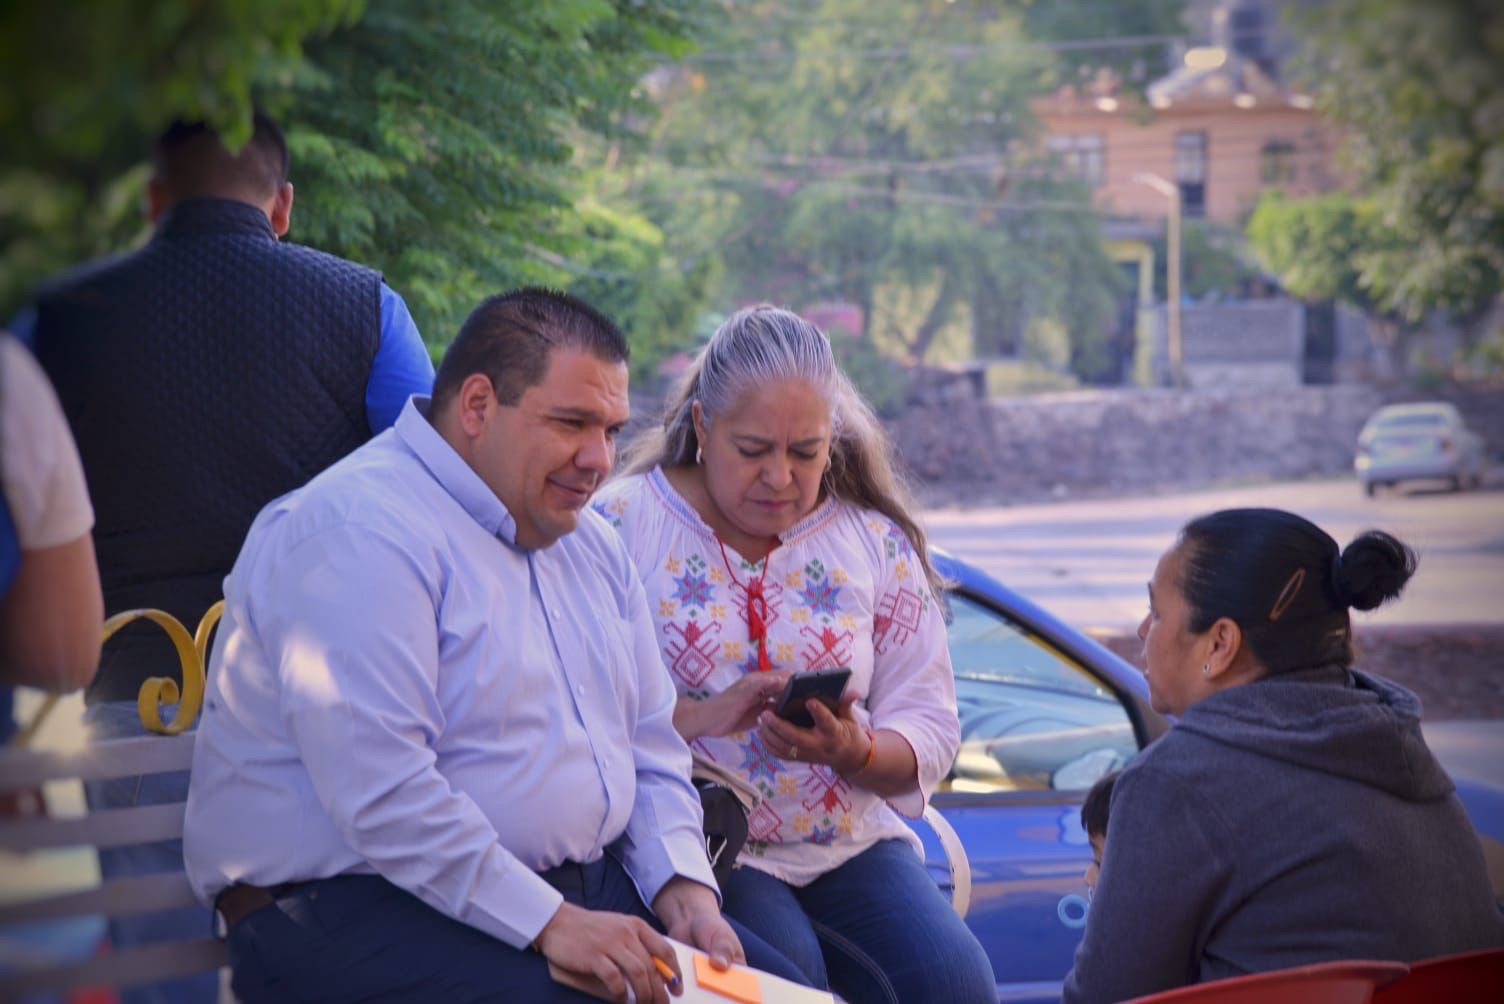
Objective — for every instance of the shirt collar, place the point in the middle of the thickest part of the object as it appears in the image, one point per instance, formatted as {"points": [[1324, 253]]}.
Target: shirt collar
{"points": [[451, 472], [205, 217]]}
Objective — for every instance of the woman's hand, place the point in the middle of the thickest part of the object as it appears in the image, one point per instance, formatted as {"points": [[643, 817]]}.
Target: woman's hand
{"points": [[837, 738], [734, 709]]}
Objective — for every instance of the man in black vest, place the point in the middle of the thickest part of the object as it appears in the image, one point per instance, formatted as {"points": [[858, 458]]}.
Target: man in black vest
{"points": [[203, 375], [209, 372]]}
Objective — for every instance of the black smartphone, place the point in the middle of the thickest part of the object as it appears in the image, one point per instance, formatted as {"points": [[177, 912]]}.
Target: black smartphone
{"points": [[825, 685]]}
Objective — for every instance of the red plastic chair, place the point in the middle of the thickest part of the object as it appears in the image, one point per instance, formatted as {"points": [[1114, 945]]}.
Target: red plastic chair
{"points": [[1467, 976], [1344, 982]]}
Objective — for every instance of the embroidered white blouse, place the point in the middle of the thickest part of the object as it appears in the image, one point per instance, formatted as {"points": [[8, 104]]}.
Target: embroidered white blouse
{"points": [[843, 588]]}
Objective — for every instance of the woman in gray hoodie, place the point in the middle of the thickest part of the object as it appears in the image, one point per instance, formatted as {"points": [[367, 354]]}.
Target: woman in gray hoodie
{"points": [[1294, 813]]}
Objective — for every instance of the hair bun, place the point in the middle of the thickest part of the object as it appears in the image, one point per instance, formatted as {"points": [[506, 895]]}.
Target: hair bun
{"points": [[1372, 569]]}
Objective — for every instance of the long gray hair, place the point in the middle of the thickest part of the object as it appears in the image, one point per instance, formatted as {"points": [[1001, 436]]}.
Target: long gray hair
{"points": [[763, 344]]}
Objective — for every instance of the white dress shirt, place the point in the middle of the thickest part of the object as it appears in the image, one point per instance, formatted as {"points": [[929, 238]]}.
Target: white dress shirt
{"points": [[397, 688], [843, 588]]}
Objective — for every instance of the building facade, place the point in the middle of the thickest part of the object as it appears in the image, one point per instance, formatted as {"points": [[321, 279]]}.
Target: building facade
{"points": [[1222, 127]]}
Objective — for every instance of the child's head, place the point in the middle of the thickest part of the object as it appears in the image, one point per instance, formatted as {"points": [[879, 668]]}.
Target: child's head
{"points": [[1094, 821]]}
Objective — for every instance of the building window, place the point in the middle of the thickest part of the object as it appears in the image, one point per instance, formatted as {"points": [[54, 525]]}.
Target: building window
{"points": [[1082, 155], [1277, 163], [1247, 33], [1190, 172]]}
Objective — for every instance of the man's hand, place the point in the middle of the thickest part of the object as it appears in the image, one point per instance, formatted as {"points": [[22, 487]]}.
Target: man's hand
{"points": [[616, 949], [692, 915]]}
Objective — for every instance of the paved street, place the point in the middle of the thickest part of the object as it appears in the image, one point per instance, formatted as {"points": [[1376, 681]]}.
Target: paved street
{"points": [[1089, 561]]}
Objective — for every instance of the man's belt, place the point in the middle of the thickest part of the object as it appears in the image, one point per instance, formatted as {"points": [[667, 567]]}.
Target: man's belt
{"points": [[239, 901]]}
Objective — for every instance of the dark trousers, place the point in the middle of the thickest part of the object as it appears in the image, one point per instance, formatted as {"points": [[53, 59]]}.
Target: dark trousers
{"points": [[877, 925], [360, 938]]}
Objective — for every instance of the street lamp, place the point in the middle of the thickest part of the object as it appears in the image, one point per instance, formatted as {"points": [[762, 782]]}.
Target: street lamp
{"points": [[1172, 267]]}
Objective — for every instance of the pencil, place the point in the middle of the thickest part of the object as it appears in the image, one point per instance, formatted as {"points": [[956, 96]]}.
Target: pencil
{"points": [[666, 973]]}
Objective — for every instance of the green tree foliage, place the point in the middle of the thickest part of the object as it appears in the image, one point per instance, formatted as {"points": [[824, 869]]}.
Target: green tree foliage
{"points": [[875, 152], [1321, 247], [439, 142], [1318, 246], [1419, 84], [1214, 260], [445, 144], [85, 83]]}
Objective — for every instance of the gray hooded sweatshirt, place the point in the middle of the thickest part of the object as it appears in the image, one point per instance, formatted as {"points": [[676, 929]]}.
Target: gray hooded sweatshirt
{"points": [[1294, 820]]}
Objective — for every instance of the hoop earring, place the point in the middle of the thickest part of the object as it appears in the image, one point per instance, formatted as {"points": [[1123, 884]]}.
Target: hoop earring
{"points": [[699, 456], [1206, 668]]}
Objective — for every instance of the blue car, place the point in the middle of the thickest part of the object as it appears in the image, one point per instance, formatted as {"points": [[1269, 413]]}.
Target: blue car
{"points": [[1045, 711]]}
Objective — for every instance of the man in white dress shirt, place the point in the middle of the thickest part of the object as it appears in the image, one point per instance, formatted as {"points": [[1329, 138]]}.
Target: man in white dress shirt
{"points": [[438, 732]]}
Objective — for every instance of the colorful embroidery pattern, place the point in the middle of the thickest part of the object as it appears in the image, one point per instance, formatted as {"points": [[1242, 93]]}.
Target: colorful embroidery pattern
{"points": [[693, 590], [897, 618], [613, 510], [822, 597], [691, 652], [826, 790], [828, 649], [758, 761]]}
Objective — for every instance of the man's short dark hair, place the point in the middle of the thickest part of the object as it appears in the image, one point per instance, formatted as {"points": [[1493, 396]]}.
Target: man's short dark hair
{"points": [[191, 161], [509, 338], [1094, 808]]}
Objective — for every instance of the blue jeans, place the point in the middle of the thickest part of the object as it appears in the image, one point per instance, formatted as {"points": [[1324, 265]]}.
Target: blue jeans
{"points": [[877, 925], [360, 938], [116, 720]]}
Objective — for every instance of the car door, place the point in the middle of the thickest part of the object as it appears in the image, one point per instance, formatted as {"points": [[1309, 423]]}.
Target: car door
{"points": [[1044, 712]]}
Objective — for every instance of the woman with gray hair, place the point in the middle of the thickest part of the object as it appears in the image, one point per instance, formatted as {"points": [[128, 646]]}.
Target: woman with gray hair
{"points": [[774, 538]]}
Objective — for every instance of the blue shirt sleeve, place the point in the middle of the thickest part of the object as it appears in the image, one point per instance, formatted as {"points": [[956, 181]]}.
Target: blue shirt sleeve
{"points": [[24, 327], [401, 367]]}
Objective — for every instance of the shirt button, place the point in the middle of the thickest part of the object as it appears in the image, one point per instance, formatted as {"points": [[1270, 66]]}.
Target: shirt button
{"points": [[580, 690]]}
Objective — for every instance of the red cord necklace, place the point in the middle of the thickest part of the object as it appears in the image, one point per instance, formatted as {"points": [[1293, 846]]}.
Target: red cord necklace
{"points": [[757, 605]]}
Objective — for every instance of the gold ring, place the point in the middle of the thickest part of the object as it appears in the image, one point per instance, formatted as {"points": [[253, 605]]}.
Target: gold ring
{"points": [[793, 752]]}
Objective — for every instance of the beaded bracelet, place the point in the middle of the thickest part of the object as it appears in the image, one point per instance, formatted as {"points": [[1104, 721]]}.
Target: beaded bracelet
{"points": [[871, 749]]}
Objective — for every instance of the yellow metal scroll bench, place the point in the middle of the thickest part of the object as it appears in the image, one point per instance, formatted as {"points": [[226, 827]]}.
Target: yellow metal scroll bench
{"points": [[32, 841]]}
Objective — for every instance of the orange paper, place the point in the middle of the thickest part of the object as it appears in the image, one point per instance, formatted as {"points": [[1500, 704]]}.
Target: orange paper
{"points": [[737, 984]]}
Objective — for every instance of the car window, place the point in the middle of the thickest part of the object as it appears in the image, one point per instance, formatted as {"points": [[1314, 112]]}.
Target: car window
{"points": [[1423, 420], [1031, 717]]}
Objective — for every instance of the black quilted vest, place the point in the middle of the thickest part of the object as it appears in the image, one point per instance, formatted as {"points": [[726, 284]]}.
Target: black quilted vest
{"points": [[204, 375]]}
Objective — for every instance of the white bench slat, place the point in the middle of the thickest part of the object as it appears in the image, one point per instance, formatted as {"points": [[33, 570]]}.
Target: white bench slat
{"points": [[23, 769], [120, 897], [105, 828], [121, 968], [956, 859]]}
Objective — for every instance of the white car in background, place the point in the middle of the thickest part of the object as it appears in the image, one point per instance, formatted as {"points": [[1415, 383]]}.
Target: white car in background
{"points": [[1418, 442]]}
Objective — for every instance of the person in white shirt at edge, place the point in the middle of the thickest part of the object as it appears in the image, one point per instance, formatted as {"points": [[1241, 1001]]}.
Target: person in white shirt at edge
{"points": [[438, 732], [773, 536]]}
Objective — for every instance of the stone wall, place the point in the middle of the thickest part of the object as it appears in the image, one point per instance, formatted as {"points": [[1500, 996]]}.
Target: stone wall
{"points": [[964, 449], [1127, 441]]}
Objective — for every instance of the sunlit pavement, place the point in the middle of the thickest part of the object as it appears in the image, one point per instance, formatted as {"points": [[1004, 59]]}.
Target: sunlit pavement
{"points": [[1088, 561]]}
